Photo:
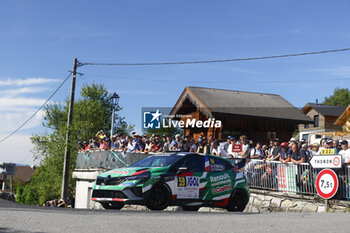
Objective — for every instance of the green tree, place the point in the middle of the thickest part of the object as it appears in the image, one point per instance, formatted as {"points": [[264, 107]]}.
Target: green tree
{"points": [[340, 97], [92, 112]]}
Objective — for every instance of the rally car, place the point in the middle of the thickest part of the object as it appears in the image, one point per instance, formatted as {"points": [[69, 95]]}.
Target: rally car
{"points": [[180, 179]]}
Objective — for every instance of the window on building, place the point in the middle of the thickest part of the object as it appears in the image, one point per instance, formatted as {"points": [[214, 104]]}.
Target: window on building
{"points": [[306, 137], [306, 126], [316, 121]]}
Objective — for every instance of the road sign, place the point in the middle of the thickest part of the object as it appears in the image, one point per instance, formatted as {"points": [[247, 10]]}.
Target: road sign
{"points": [[327, 183], [326, 161]]}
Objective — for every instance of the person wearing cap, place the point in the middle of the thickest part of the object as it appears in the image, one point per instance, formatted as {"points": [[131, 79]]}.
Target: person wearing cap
{"points": [[276, 150], [330, 145], [105, 144], [226, 144], [284, 155], [175, 143], [323, 145], [233, 141], [291, 142], [132, 145], [203, 146], [345, 152], [186, 144]]}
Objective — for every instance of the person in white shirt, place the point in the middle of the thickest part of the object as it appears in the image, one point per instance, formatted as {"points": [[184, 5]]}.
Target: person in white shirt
{"points": [[233, 141], [345, 152], [245, 147], [257, 152], [218, 150]]}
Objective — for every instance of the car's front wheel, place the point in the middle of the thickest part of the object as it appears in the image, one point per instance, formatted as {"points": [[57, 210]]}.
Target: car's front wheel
{"points": [[112, 205], [238, 201], [158, 198]]}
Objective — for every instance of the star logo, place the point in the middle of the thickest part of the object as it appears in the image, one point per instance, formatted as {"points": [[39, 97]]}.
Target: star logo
{"points": [[156, 115], [152, 120]]}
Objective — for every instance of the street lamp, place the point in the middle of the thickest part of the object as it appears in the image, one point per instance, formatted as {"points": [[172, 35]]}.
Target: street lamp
{"points": [[115, 100]]}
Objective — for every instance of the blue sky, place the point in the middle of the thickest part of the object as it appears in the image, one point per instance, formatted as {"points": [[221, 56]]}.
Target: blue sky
{"points": [[39, 39]]}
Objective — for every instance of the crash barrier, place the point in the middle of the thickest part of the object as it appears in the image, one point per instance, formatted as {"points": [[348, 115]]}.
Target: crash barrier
{"points": [[291, 178], [107, 159]]}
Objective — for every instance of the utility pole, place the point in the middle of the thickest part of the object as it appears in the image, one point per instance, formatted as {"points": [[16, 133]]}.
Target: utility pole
{"points": [[66, 163]]}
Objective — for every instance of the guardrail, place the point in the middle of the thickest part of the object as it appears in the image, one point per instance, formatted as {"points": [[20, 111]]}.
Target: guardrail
{"points": [[291, 178]]}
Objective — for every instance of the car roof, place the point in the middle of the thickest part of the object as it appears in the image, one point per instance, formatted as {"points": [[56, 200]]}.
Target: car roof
{"points": [[188, 154]]}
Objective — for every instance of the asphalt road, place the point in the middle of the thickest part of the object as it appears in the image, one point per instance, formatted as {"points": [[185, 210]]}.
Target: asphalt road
{"points": [[21, 218]]}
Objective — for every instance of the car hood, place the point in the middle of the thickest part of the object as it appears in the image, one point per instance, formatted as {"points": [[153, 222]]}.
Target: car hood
{"points": [[131, 171]]}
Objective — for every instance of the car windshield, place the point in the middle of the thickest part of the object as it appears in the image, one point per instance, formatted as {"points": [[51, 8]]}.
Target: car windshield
{"points": [[157, 161]]}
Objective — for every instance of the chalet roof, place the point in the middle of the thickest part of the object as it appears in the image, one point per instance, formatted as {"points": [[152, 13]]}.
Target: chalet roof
{"points": [[343, 117], [325, 110], [241, 103]]}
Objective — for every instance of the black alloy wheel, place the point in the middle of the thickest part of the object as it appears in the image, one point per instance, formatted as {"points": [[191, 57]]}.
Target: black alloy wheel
{"points": [[158, 198], [238, 201]]}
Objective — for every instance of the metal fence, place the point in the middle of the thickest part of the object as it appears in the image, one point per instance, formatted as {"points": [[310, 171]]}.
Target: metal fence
{"points": [[291, 178]]}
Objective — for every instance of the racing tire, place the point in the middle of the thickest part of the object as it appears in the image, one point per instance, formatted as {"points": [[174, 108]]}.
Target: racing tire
{"points": [[158, 198], [190, 208], [112, 205], [238, 201]]}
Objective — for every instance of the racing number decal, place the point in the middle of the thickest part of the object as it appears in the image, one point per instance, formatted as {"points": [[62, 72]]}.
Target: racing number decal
{"points": [[181, 182], [187, 187]]}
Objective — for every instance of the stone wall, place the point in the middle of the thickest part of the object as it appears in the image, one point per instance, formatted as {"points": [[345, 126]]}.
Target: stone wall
{"points": [[265, 201]]}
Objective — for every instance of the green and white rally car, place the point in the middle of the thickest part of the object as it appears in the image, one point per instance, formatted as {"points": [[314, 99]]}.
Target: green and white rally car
{"points": [[183, 179]]}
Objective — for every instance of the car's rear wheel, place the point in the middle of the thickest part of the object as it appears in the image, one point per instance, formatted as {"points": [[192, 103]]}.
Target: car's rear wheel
{"points": [[158, 198], [112, 205], [190, 208], [238, 201]]}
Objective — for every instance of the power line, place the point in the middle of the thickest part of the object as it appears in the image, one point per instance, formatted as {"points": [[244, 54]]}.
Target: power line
{"points": [[213, 61], [126, 79], [24, 123]]}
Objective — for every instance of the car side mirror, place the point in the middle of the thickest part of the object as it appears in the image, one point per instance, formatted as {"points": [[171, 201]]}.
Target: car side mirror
{"points": [[181, 170]]}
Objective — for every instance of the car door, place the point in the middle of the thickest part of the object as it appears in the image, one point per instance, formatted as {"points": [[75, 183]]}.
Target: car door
{"points": [[189, 182], [220, 179]]}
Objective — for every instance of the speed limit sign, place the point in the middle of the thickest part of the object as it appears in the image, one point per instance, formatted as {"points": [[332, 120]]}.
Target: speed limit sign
{"points": [[327, 183]]}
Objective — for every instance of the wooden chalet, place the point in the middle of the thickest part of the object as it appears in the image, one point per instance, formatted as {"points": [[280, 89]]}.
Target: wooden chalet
{"points": [[259, 116]]}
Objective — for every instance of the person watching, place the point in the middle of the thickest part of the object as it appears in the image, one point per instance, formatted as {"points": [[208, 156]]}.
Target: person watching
{"points": [[276, 150], [218, 150], [298, 156], [284, 156], [345, 152], [257, 152]]}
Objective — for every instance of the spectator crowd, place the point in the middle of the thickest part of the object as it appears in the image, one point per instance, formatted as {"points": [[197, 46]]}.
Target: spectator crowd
{"points": [[293, 151]]}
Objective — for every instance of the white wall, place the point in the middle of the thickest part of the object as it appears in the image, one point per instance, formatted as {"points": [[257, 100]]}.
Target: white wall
{"points": [[84, 181]]}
